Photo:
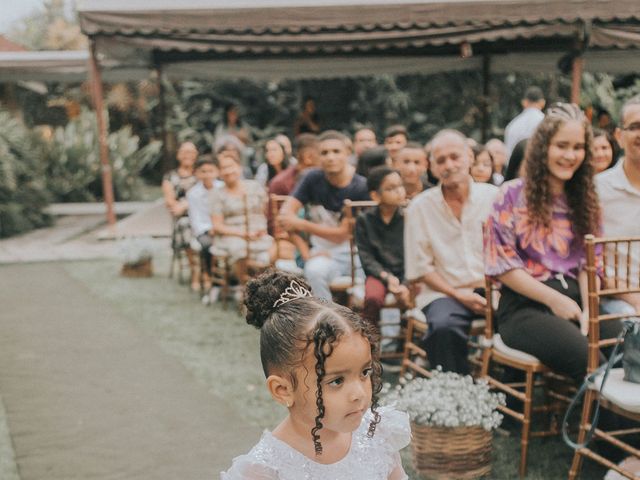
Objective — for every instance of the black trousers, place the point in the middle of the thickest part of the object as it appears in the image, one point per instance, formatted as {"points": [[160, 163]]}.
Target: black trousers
{"points": [[205, 240], [446, 340], [531, 327]]}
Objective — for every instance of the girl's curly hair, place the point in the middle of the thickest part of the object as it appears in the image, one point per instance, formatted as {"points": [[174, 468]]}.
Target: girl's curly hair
{"points": [[289, 330], [582, 199]]}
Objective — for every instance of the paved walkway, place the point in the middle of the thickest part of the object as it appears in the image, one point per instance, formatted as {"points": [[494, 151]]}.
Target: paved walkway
{"points": [[81, 233], [89, 396]]}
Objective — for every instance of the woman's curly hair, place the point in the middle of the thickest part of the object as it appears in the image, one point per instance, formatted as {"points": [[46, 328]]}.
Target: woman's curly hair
{"points": [[582, 199], [305, 324]]}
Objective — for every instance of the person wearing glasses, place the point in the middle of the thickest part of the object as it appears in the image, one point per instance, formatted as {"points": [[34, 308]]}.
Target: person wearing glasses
{"points": [[619, 193]]}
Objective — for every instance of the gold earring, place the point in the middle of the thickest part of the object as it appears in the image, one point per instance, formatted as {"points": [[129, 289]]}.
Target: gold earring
{"points": [[288, 405]]}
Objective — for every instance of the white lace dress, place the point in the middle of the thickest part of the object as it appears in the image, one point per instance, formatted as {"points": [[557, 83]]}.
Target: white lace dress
{"points": [[368, 458]]}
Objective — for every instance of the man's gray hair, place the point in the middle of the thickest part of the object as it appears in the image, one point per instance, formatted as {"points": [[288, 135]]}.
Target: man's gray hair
{"points": [[632, 102], [446, 132]]}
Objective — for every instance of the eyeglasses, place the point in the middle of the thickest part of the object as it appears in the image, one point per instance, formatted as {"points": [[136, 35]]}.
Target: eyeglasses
{"points": [[634, 128]]}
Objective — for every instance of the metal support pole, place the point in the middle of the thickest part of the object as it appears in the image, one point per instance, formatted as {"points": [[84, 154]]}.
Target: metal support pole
{"points": [[486, 80], [576, 78], [96, 92]]}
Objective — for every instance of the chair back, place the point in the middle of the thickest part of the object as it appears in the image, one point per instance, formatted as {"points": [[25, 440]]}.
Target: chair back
{"points": [[490, 291], [618, 261], [247, 230], [352, 208], [275, 203]]}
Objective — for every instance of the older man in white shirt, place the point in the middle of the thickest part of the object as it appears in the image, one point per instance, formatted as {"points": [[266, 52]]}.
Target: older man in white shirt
{"points": [[443, 250], [619, 194], [524, 124]]}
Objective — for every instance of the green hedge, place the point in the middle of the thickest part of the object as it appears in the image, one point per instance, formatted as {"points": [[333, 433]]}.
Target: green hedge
{"points": [[23, 194]]}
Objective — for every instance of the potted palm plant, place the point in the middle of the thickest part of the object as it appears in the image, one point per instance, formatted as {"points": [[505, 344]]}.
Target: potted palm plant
{"points": [[452, 419]]}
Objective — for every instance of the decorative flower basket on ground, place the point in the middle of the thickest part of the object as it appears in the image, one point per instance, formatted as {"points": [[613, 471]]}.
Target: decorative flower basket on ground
{"points": [[452, 418], [137, 254], [137, 270]]}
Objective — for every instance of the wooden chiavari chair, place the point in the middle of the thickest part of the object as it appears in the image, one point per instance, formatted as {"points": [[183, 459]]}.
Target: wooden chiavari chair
{"points": [[619, 257]]}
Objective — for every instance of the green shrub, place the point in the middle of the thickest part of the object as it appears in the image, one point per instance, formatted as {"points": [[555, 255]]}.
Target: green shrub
{"points": [[73, 161], [23, 194]]}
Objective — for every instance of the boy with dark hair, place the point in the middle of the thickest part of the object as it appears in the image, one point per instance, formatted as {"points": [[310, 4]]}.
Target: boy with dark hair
{"points": [[412, 164], [322, 192], [199, 199], [395, 137], [380, 240]]}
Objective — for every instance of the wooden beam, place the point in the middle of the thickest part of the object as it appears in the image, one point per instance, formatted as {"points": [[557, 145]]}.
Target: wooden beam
{"points": [[98, 104], [576, 78]]}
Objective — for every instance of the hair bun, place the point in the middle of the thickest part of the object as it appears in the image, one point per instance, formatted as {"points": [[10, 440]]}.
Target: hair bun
{"points": [[262, 292]]}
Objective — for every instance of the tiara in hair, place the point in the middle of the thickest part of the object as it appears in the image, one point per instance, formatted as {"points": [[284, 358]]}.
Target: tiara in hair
{"points": [[292, 292]]}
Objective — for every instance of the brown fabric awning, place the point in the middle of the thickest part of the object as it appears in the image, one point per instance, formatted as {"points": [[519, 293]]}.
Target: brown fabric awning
{"points": [[169, 32], [263, 17]]}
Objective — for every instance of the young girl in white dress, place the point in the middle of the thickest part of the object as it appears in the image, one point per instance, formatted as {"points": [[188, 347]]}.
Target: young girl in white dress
{"points": [[321, 363]]}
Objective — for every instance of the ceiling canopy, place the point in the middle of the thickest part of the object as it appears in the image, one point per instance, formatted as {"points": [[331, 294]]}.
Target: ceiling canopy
{"points": [[301, 37]]}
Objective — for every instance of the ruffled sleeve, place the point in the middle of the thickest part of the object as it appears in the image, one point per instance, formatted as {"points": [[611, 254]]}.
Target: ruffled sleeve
{"points": [[394, 428], [246, 468], [500, 253]]}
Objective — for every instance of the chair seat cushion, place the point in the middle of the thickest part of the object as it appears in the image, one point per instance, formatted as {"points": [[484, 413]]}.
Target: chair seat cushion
{"points": [[616, 390], [357, 293], [478, 324], [288, 266], [416, 314], [390, 300], [500, 346], [343, 281]]}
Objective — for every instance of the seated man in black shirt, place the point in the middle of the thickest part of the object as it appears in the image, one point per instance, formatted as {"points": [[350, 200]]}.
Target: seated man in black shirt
{"points": [[380, 239], [322, 192]]}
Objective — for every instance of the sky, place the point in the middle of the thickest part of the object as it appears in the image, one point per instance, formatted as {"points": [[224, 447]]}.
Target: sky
{"points": [[13, 11]]}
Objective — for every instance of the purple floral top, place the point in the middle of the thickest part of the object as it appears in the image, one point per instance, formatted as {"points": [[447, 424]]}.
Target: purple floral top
{"points": [[511, 241]]}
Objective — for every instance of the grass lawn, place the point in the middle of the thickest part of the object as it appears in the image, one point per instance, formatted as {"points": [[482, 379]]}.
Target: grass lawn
{"points": [[221, 351]]}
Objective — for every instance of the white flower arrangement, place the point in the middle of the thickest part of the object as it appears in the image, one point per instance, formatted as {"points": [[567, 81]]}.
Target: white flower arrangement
{"points": [[135, 250], [447, 400]]}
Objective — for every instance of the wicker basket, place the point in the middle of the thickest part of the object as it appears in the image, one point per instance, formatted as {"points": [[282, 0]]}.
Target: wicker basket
{"points": [[451, 453], [138, 270]]}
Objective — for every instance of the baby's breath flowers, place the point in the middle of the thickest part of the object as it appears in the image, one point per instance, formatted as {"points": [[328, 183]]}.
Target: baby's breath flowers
{"points": [[447, 400], [135, 250]]}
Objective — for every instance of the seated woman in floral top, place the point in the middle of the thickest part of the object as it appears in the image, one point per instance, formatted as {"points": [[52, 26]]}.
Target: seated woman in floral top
{"points": [[534, 245]]}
